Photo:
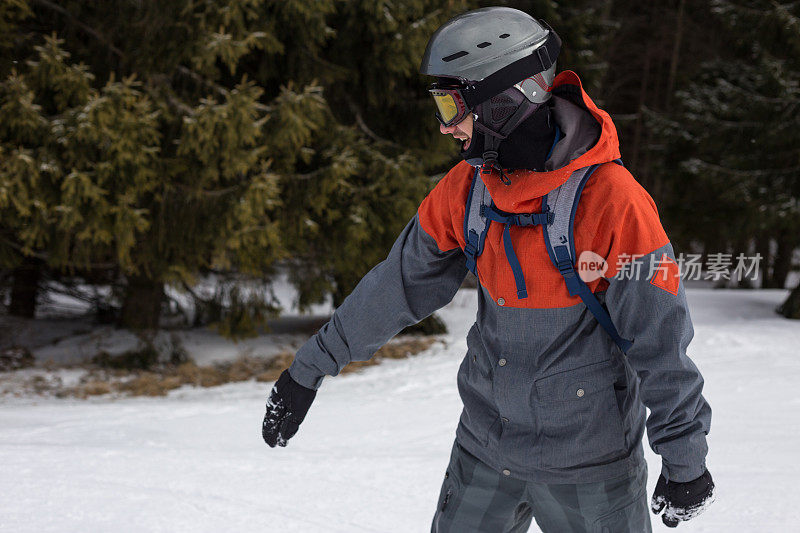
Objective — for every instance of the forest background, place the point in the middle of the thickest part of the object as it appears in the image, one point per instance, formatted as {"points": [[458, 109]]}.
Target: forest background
{"points": [[147, 146]]}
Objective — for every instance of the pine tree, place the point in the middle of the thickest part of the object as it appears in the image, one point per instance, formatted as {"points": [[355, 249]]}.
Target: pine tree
{"points": [[735, 135], [31, 108], [158, 167]]}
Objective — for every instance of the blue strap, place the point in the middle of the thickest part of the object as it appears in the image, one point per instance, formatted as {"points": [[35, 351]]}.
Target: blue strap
{"points": [[546, 235], [567, 270], [516, 268], [517, 219], [471, 251], [472, 239], [577, 287]]}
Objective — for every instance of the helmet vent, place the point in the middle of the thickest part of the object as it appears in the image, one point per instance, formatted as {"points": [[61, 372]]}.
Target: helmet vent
{"points": [[505, 36], [451, 57], [484, 44]]}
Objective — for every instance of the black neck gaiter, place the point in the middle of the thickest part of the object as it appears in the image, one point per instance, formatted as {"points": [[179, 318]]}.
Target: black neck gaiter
{"points": [[526, 147]]}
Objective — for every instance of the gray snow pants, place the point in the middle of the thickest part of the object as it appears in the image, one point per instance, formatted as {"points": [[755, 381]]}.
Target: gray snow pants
{"points": [[475, 498]]}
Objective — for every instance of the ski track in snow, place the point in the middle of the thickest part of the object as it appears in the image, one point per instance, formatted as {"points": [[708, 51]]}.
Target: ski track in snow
{"points": [[371, 455]]}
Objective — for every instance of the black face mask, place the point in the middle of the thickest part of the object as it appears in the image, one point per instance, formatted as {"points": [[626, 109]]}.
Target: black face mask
{"points": [[526, 147]]}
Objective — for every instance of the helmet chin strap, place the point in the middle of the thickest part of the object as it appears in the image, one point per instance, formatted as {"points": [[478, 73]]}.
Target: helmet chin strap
{"points": [[492, 138]]}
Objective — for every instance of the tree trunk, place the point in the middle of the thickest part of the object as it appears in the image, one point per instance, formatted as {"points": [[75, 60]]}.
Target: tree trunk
{"points": [[783, 260], [762, 248], [791, 307], [25, 287], [141, 308], [638, 126], [739, 280], [676, 49]]}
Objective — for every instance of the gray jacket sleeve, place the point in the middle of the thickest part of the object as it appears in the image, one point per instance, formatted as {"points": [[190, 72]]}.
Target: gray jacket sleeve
{"points": [[414, 280], [658, 322]]}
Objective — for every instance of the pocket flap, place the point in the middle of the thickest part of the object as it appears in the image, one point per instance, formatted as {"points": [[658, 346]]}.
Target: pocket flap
{"points": [[575, 384]]}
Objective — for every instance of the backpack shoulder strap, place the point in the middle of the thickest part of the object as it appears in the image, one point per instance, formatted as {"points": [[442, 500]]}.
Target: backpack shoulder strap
{"points": [[560, 242], [476, 225]]}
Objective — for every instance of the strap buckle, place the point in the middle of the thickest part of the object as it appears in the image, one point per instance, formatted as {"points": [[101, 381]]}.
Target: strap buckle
{"points": [[525, 219], [534, 219], [566, 268]]}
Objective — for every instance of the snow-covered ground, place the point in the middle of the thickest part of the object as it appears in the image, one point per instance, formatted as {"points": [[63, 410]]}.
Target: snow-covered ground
{"points": [[372, 452]]}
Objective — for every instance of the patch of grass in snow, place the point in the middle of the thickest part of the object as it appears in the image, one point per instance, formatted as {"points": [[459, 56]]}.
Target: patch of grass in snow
{"points": [[159, 381], [101, 378], [15, 357]]}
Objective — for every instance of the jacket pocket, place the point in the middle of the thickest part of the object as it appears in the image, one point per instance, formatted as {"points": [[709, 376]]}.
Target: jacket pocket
{"points": [[579, 419]]}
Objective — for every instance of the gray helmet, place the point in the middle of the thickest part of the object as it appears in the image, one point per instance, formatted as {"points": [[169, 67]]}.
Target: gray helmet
{"points": [[493, 49]]}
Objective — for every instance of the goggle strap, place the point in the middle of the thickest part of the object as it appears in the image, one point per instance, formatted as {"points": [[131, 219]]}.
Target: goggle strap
{"points": [[542, 59], [523, 111], [490, 133]]}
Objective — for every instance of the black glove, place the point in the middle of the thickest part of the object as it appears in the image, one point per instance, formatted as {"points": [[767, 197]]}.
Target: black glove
{"points": [[683, 501], [287, 406]]}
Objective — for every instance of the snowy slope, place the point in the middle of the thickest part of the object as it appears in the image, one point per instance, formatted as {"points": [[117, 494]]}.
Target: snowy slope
{"points": [[372, 452]]}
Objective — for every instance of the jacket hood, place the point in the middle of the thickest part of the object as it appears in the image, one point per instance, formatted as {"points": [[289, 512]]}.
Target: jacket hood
{"points": [[588, 137]]}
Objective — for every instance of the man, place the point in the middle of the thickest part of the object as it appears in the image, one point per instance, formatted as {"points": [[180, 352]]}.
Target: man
{"points": [[559, 368]]}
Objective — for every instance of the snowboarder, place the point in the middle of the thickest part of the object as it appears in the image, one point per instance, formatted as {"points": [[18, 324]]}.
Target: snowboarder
{"points": [[582, 317]]}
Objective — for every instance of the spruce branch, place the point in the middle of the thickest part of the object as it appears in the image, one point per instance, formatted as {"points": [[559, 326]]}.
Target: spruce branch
{"points": [[767, 172], [366, 129], [333, 66], [209, 194], [83, 26], [46, 257], [219, 89]]}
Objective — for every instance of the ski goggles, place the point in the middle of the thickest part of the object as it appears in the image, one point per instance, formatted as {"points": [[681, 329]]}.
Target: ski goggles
{"points": [[451, 108]]}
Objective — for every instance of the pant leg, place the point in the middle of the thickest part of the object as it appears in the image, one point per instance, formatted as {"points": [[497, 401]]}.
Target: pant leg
{"points": [[612, 506], [476, 499]]}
